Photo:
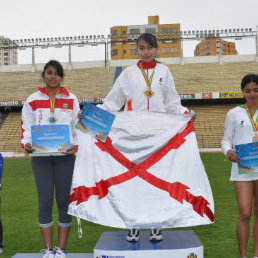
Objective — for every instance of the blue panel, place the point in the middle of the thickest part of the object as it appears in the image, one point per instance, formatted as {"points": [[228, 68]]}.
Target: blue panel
{"points": [[172, 240], [117, 72]]}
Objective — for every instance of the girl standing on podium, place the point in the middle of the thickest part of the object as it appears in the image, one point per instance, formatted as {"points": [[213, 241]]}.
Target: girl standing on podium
{"points": [[241, 126], [146, 86], [52, 105]]}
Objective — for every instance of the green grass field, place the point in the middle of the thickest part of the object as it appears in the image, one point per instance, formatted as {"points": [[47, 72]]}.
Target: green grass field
{"points": [[21, 232]]}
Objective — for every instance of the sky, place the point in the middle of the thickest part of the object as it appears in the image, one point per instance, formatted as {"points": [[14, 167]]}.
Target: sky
{"points": [[20, 19]]}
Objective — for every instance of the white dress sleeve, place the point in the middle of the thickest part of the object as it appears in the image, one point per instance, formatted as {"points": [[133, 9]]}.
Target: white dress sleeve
{"points": [[172, 99], [115, 99], [27, 120], [76, 110], [227, 142]]}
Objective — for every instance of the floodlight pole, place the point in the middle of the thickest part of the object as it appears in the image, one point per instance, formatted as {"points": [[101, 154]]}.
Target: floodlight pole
{"points": [[70, 57], [256, 41], [33, 59]]}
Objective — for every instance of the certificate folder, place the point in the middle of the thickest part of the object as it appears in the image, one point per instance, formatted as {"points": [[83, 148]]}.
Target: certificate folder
{"points": [[249, 157], [50, 138], [96, 121]]}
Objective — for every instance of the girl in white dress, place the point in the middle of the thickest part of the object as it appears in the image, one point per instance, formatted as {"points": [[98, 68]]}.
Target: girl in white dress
{"points": [[241, 127]]}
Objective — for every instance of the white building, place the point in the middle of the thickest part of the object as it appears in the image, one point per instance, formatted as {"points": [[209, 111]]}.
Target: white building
{"points": [[8, 52]]}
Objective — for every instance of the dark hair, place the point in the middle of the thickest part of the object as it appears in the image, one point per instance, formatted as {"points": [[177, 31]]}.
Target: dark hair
{"points": [[57, 65], [251, 77], [149, 38]]}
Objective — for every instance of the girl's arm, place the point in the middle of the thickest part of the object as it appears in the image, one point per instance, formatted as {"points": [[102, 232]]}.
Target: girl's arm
{"points": [[27, 121], [172, 99], [115, 99], [227, 142]]}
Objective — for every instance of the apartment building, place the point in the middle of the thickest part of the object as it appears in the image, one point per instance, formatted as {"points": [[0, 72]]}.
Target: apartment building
{"points": [[215, 46], [8, 52], [123, 39]]}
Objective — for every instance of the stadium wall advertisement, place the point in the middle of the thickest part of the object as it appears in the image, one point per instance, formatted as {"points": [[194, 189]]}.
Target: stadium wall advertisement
{"points": [[97, 100]]}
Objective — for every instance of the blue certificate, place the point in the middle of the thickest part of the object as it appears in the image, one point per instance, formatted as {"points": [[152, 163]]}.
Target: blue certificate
{"points": [[96, 121], [50, 138], [249, 157]]}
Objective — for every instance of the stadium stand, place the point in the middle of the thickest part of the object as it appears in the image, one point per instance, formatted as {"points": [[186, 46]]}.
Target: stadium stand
{"points": [[96, 83], [10, 133]]}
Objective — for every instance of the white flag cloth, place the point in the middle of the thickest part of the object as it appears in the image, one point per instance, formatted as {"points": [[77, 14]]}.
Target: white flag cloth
{"points": [[147, 174]]}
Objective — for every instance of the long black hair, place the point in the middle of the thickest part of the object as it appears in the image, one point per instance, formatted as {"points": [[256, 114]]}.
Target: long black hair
{"points": [[149, 38], [57, 65], [251, 77]]}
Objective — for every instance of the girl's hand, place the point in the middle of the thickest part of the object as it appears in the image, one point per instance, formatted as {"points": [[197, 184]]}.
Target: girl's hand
{"points": [[72, 150], [28, 148], [193, 117], [80, 115], [231, 155]]}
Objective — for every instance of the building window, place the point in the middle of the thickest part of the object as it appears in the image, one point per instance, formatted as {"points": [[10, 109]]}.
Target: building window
{"points": [[151, 30], [114, 52], [169, 30], [114, 33], [6, 59], [5, 53], [133, 52], [165, 50], [134, 31], [174, 50], [124, 52], [172, 30], [5, 63]]}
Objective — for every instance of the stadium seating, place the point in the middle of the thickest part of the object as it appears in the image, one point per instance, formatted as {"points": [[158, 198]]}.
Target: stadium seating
{"points": [[97, 82], [10, 133]]}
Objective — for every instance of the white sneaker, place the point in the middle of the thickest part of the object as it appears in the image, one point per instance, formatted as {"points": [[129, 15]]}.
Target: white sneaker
{"points": [[48, 253], [133, 235], [60, 253], [1, 250], [156, 234]]}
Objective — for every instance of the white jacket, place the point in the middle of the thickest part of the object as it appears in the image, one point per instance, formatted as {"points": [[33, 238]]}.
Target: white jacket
{"points": [[36, 111], [129, 89], [238, 130]]}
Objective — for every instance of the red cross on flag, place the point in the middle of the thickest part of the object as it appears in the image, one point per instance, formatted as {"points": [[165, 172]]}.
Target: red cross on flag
{"points": [[147, 174]]}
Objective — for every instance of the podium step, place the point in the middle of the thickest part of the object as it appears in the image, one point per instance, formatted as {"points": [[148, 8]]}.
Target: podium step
{"points": [[181, 243], [39, 255]]}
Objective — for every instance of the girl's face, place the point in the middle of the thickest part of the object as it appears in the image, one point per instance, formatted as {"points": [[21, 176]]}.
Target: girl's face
{"points": [[250, 93], [51, 78], [146, 52]]}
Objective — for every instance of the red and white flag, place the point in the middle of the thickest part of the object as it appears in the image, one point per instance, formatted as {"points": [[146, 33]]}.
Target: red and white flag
{"points": [[147, 174]]}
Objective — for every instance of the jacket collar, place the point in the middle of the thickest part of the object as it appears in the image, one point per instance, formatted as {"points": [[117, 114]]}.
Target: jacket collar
{"points": [[63, 91]]}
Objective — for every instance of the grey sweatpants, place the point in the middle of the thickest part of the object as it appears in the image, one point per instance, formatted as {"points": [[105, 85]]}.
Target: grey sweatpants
{"points": [[53, 172]]}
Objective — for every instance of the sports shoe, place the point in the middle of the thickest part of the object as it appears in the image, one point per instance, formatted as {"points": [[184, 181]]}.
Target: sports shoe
{"points": [[1, 250], [48, 253], [60, 253], [156, 234], [133, 235]]}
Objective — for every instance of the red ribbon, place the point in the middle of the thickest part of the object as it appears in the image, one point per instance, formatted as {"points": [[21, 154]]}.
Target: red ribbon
{"points": [[176, 190]]}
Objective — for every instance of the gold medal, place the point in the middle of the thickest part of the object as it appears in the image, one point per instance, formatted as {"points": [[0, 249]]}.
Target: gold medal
{"points": [[148, 93]]}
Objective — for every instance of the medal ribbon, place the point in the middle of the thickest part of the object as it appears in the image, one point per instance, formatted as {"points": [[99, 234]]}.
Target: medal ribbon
{"points": [[254, 124], [148, 81], [53, 102]]}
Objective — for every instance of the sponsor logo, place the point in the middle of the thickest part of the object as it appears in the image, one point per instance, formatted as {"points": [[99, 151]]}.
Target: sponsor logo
{"points": [[109, 256], [192, 255]]}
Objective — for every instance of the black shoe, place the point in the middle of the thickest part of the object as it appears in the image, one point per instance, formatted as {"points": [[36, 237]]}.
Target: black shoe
{"points": [[156, 234], [133, 235]]}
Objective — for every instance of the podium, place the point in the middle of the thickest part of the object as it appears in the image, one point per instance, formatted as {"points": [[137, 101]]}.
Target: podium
{"points": [[181, 243]]}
